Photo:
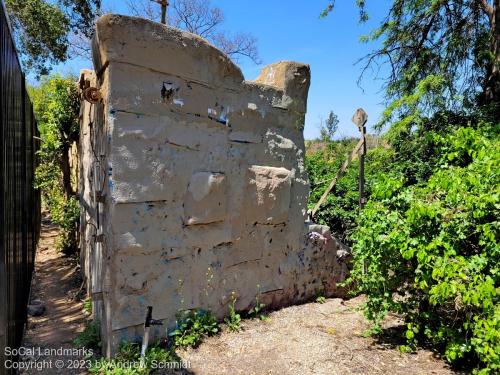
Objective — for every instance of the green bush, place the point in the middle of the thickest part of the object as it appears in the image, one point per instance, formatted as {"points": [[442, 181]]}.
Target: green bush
{"points": [[56, 104], [427, 245], [87, 306]]}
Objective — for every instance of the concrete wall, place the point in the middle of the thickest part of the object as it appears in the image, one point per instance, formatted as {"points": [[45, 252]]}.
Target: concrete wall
{"points": [[203, 178]]}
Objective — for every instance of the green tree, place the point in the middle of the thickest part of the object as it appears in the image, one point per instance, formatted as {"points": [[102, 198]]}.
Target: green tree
{"points": [[57, 106], [329, 127], [440, 55], [46, 30]]}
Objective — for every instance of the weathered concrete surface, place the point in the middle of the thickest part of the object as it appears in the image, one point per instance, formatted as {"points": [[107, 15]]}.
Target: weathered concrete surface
{"points": [[92, 156], [204, 182]]}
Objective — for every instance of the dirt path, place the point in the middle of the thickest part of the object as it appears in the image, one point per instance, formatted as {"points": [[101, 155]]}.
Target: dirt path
{"points": [[313, 338], [56, 280]]}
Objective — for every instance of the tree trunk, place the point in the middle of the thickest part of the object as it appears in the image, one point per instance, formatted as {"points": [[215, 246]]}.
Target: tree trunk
{"points": [[492, 89], [66, 171]]}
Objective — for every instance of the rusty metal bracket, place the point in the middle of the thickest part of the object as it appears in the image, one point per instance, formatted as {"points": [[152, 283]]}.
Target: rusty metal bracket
{"points": [[99, 237], [92, 95]]}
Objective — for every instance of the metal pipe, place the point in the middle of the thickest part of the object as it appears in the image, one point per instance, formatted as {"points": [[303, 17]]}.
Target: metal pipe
{"points": [[149, 321]]}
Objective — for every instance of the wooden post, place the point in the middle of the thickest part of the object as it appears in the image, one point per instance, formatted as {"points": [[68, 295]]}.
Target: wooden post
{"points": [[339, 174], [164, 5], [360, 118]]}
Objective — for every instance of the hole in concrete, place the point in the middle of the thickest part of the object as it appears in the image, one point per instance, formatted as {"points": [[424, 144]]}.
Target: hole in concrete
{"points": [[167, 91]]}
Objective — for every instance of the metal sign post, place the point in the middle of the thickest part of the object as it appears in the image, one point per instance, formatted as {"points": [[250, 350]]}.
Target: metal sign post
{"points": [[360, 118]]}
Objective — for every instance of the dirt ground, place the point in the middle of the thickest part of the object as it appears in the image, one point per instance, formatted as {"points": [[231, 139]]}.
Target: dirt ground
{"points": [[312, 338], [308, 339], [56, 280]]}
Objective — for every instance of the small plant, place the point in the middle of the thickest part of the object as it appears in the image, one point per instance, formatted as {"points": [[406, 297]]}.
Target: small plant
{"points": [[192, 327], [320, 299], [130, 353], [90, 337], [233, 321], [87, 306], [256, 311]]}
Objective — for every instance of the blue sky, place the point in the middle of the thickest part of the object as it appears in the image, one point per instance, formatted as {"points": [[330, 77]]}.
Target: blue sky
{"points": [[292, 30]]}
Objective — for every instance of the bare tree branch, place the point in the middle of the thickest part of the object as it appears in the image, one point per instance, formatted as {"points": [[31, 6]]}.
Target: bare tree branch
{"points": [[80, 46], [144, 8], [241, 45], [486, 7], [199, 17]]}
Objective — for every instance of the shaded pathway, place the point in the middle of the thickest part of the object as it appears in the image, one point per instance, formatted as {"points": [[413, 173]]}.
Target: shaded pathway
{"points": [[56, 280]]}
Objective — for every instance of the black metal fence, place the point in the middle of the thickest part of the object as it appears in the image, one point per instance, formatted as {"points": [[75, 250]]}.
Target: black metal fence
{"points": [[19, 201]]}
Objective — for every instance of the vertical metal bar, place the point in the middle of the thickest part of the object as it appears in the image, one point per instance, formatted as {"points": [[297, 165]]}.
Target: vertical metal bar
{"points": [[24, 277], [19, 201], [362, 168], [3, 270], [360, 118]]}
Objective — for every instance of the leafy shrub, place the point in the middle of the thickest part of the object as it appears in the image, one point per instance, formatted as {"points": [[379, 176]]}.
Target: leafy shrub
{"points": [[430, 250], [65, 212], [192, 326]]}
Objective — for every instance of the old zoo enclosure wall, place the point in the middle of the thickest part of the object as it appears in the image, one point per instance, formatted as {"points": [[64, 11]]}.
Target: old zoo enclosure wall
{"points": [[193, 183]]}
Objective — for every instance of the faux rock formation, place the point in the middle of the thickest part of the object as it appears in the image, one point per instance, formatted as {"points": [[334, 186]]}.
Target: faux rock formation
{"points": [[193, 182]]}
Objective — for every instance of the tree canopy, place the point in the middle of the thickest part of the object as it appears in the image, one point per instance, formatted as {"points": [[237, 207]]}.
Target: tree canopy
{"points": [[45, 30], [49, 32], [425, 246], [329, 127], [440, 54]]}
